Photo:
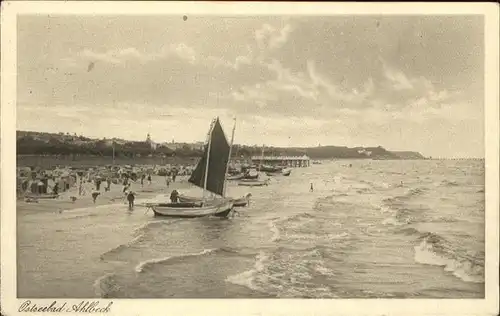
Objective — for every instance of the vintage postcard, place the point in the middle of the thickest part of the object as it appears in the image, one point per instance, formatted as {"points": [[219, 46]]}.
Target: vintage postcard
{"points": [[213, 158]]}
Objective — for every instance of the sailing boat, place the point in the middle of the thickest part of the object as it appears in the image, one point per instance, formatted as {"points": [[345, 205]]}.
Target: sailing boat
{"points": [[237, 202], [209, 174]]}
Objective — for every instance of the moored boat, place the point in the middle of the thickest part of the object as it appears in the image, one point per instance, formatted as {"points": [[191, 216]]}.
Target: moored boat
{"points": [[235, 177], [286, 172], [219, 208], [252, 183], [41, 196], [250, 174], [266, 168]]}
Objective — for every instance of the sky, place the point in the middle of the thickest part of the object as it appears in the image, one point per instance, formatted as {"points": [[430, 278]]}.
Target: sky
{"points": [[401, 82]]}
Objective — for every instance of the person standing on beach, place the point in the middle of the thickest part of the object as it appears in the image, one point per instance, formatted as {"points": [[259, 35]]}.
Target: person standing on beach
{"points": [[142, 179], [95, 195], [131, 198], [167, 180], [311, 189], [149, 179], [108, 180], [55, 189]]}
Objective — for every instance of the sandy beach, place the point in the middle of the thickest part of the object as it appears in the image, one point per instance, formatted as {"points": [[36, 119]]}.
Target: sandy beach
{"points": [[115, 195]]}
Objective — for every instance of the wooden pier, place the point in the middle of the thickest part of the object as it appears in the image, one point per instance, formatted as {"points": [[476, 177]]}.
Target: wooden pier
{"points": [[291, 161]]}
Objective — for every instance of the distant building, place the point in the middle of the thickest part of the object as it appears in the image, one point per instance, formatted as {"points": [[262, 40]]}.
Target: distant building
{"points": [[151, 143], [364, 152]]}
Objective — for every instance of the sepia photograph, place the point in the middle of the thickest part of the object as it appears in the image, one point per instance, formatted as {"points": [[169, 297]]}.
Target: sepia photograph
{"points": [[232, 154]]}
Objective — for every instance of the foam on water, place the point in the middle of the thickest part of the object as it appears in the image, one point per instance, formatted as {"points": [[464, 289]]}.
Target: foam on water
{"points": [[248, 278], [464, 270], [151, 262]]}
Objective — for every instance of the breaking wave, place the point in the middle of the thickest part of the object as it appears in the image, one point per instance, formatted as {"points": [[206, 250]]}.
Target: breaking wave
{"points": [[436, 250], [287, 273], [119, 248]]}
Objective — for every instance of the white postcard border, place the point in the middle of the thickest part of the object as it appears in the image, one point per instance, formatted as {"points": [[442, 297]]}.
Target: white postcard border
{"points": [[489, 305]]}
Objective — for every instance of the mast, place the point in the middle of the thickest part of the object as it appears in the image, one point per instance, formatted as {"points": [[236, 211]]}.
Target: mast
{"points": [[262, 158], [113, 152], [208, 158], [229, 158]]}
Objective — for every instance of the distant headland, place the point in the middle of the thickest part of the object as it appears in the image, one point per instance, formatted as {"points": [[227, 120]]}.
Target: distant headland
{"points": [[31, 143]]}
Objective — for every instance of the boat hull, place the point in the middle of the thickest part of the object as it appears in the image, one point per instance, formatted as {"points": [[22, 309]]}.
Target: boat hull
{"points": [[192, 209], [252, 183], [235, 177], [42, 196], [239, 202], [250, 177]]}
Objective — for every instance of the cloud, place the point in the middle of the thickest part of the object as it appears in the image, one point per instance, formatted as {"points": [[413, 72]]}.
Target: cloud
{"points": [[236, 65], [292, 92], [121, 56], [397, 79], [353, 95], [270, 37], [287, 72]]}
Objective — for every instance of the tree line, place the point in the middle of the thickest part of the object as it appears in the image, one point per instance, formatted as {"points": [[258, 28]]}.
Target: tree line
{"points": [[28, 145]]}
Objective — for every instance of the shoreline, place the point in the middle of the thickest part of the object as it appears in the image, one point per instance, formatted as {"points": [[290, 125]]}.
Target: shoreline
{"points": [[115, 195]]}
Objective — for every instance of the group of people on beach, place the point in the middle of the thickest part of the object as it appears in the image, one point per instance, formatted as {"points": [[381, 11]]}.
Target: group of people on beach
{"points": [[128, 193], [143, 177]]}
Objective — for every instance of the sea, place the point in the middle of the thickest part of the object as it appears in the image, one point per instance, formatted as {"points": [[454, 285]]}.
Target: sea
{"points": [[369, 229]]}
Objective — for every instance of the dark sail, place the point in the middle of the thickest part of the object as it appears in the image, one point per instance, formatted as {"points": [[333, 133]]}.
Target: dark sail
{"points": [[218, 159]]}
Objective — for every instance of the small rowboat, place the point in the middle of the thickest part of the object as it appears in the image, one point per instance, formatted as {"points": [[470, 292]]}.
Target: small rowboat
{"points": [[252, 183]]}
